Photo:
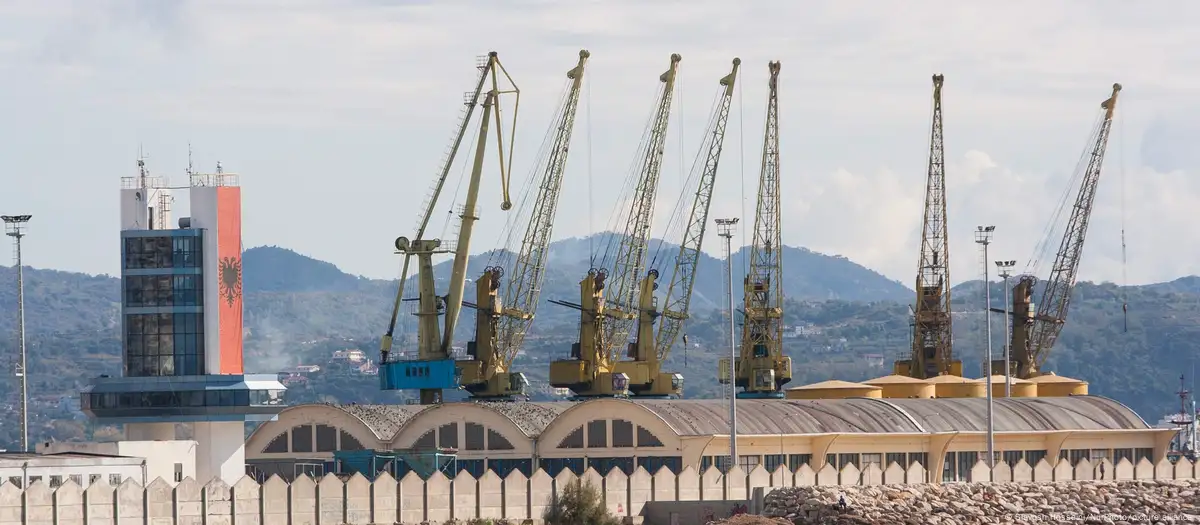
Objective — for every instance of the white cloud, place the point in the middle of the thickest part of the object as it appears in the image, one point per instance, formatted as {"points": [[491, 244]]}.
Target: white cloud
{"points": [[337, 113]]}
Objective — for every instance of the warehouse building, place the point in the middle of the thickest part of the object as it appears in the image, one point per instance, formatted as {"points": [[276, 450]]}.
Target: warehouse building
{"points": [[945, 435]]}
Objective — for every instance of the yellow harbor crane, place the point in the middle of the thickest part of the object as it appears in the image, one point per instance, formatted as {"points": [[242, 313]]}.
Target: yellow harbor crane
{"points": [[932, 347], [590, 371], [500, 330], [762, 369], [434, 369], [650, 350], [1034, 332]]}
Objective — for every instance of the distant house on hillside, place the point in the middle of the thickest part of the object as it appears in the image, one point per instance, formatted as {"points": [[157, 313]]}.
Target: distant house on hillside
{"points": [[353, 355]]}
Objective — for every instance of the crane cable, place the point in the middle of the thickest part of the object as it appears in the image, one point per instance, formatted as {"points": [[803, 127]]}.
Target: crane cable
{"points": [[1124, 260], [742, 163], [591, 192]]}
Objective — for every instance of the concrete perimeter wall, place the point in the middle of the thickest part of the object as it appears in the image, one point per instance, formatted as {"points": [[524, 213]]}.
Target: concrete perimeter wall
{"points": [[357, 501]]}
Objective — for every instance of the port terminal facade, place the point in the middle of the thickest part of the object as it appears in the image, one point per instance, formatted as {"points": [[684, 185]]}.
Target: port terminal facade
{"points": [[943, 435]]}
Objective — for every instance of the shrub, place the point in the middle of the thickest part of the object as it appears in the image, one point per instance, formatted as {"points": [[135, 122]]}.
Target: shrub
{"points": [[579, 504]]}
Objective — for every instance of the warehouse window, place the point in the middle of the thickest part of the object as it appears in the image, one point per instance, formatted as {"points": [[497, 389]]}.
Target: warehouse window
{"points": [[427, 440], [597, 433], [622, 433], [448, 435], [302, 438], [921, 458], [573, 440], [474, 438], [1122, 453], [772, 462], [348, 442], [647, 439], [497, 442], [1033, 457], [326, 438], [279, 445], [795, 460]]}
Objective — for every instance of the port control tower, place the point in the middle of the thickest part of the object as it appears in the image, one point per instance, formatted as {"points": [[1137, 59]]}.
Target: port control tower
{"points": [[181, 325]]}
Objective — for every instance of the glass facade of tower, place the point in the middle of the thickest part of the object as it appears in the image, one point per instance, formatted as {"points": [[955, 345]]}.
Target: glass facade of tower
{"points": [[163, 302]]}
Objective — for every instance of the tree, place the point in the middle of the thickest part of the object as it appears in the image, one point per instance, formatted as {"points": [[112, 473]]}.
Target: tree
{"points": [[579, 504]]}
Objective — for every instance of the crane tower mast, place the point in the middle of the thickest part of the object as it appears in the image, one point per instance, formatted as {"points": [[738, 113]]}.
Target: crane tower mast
{"points": [[932, 346], [763, 369], [1037, 333], [500, 330]]}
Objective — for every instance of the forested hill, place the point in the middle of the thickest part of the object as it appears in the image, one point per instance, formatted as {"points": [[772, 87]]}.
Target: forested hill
{"points": [[844, 321]]}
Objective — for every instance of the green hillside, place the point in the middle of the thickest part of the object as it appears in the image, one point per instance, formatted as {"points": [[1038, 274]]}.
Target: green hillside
{"points": [[842, 317]]}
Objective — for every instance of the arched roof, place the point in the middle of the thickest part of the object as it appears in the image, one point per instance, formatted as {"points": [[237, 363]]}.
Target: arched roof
{"points": [[1021, 414], [701, 417], [383, 420], [531, 418]]}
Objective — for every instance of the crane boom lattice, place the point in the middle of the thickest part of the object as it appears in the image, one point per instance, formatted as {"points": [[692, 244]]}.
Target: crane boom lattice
{"points": [[630, 260], [1056, 296], [679, 293]]}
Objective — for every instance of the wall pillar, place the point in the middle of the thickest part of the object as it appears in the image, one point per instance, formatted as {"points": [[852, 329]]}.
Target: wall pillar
{"points": [[220, 451]]}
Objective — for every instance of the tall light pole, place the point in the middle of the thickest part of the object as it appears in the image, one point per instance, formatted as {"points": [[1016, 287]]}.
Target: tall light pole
{"points": [[983, 236], [14, 226], [725, 228], [1005, 268]]}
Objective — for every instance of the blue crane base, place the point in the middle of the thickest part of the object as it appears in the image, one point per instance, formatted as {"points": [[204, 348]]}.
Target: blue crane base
{"points": [[419, 375], [760, 395]]}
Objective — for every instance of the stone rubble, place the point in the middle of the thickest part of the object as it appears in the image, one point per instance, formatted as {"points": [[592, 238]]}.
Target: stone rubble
{"points": [[1114, 502]]}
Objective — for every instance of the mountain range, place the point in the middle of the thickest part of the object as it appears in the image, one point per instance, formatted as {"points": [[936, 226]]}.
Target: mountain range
{"points": [[845, 321]]}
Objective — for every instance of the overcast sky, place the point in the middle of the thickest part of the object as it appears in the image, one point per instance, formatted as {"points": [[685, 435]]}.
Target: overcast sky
{"points": [[336, 113]]}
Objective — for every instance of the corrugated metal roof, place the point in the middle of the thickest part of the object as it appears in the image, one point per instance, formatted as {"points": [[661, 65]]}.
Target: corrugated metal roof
{"points": [[387, 420], [701, 417], [1021, 414], [384, 420], [531, 418]]}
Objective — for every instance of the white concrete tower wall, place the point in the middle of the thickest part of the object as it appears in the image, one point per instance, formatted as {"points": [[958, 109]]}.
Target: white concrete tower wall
{"points": [[135, 209], [204, 216]]}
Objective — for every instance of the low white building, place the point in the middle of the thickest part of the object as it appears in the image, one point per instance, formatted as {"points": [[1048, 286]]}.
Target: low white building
{"points": [[170, 460], [22, 468]]}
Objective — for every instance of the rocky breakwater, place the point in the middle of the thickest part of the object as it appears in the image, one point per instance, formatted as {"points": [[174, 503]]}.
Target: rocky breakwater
{"points": [[1142, 501]]}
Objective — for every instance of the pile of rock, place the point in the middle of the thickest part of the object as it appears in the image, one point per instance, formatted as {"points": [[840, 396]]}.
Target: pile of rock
{"points": [[1142, 501]]}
